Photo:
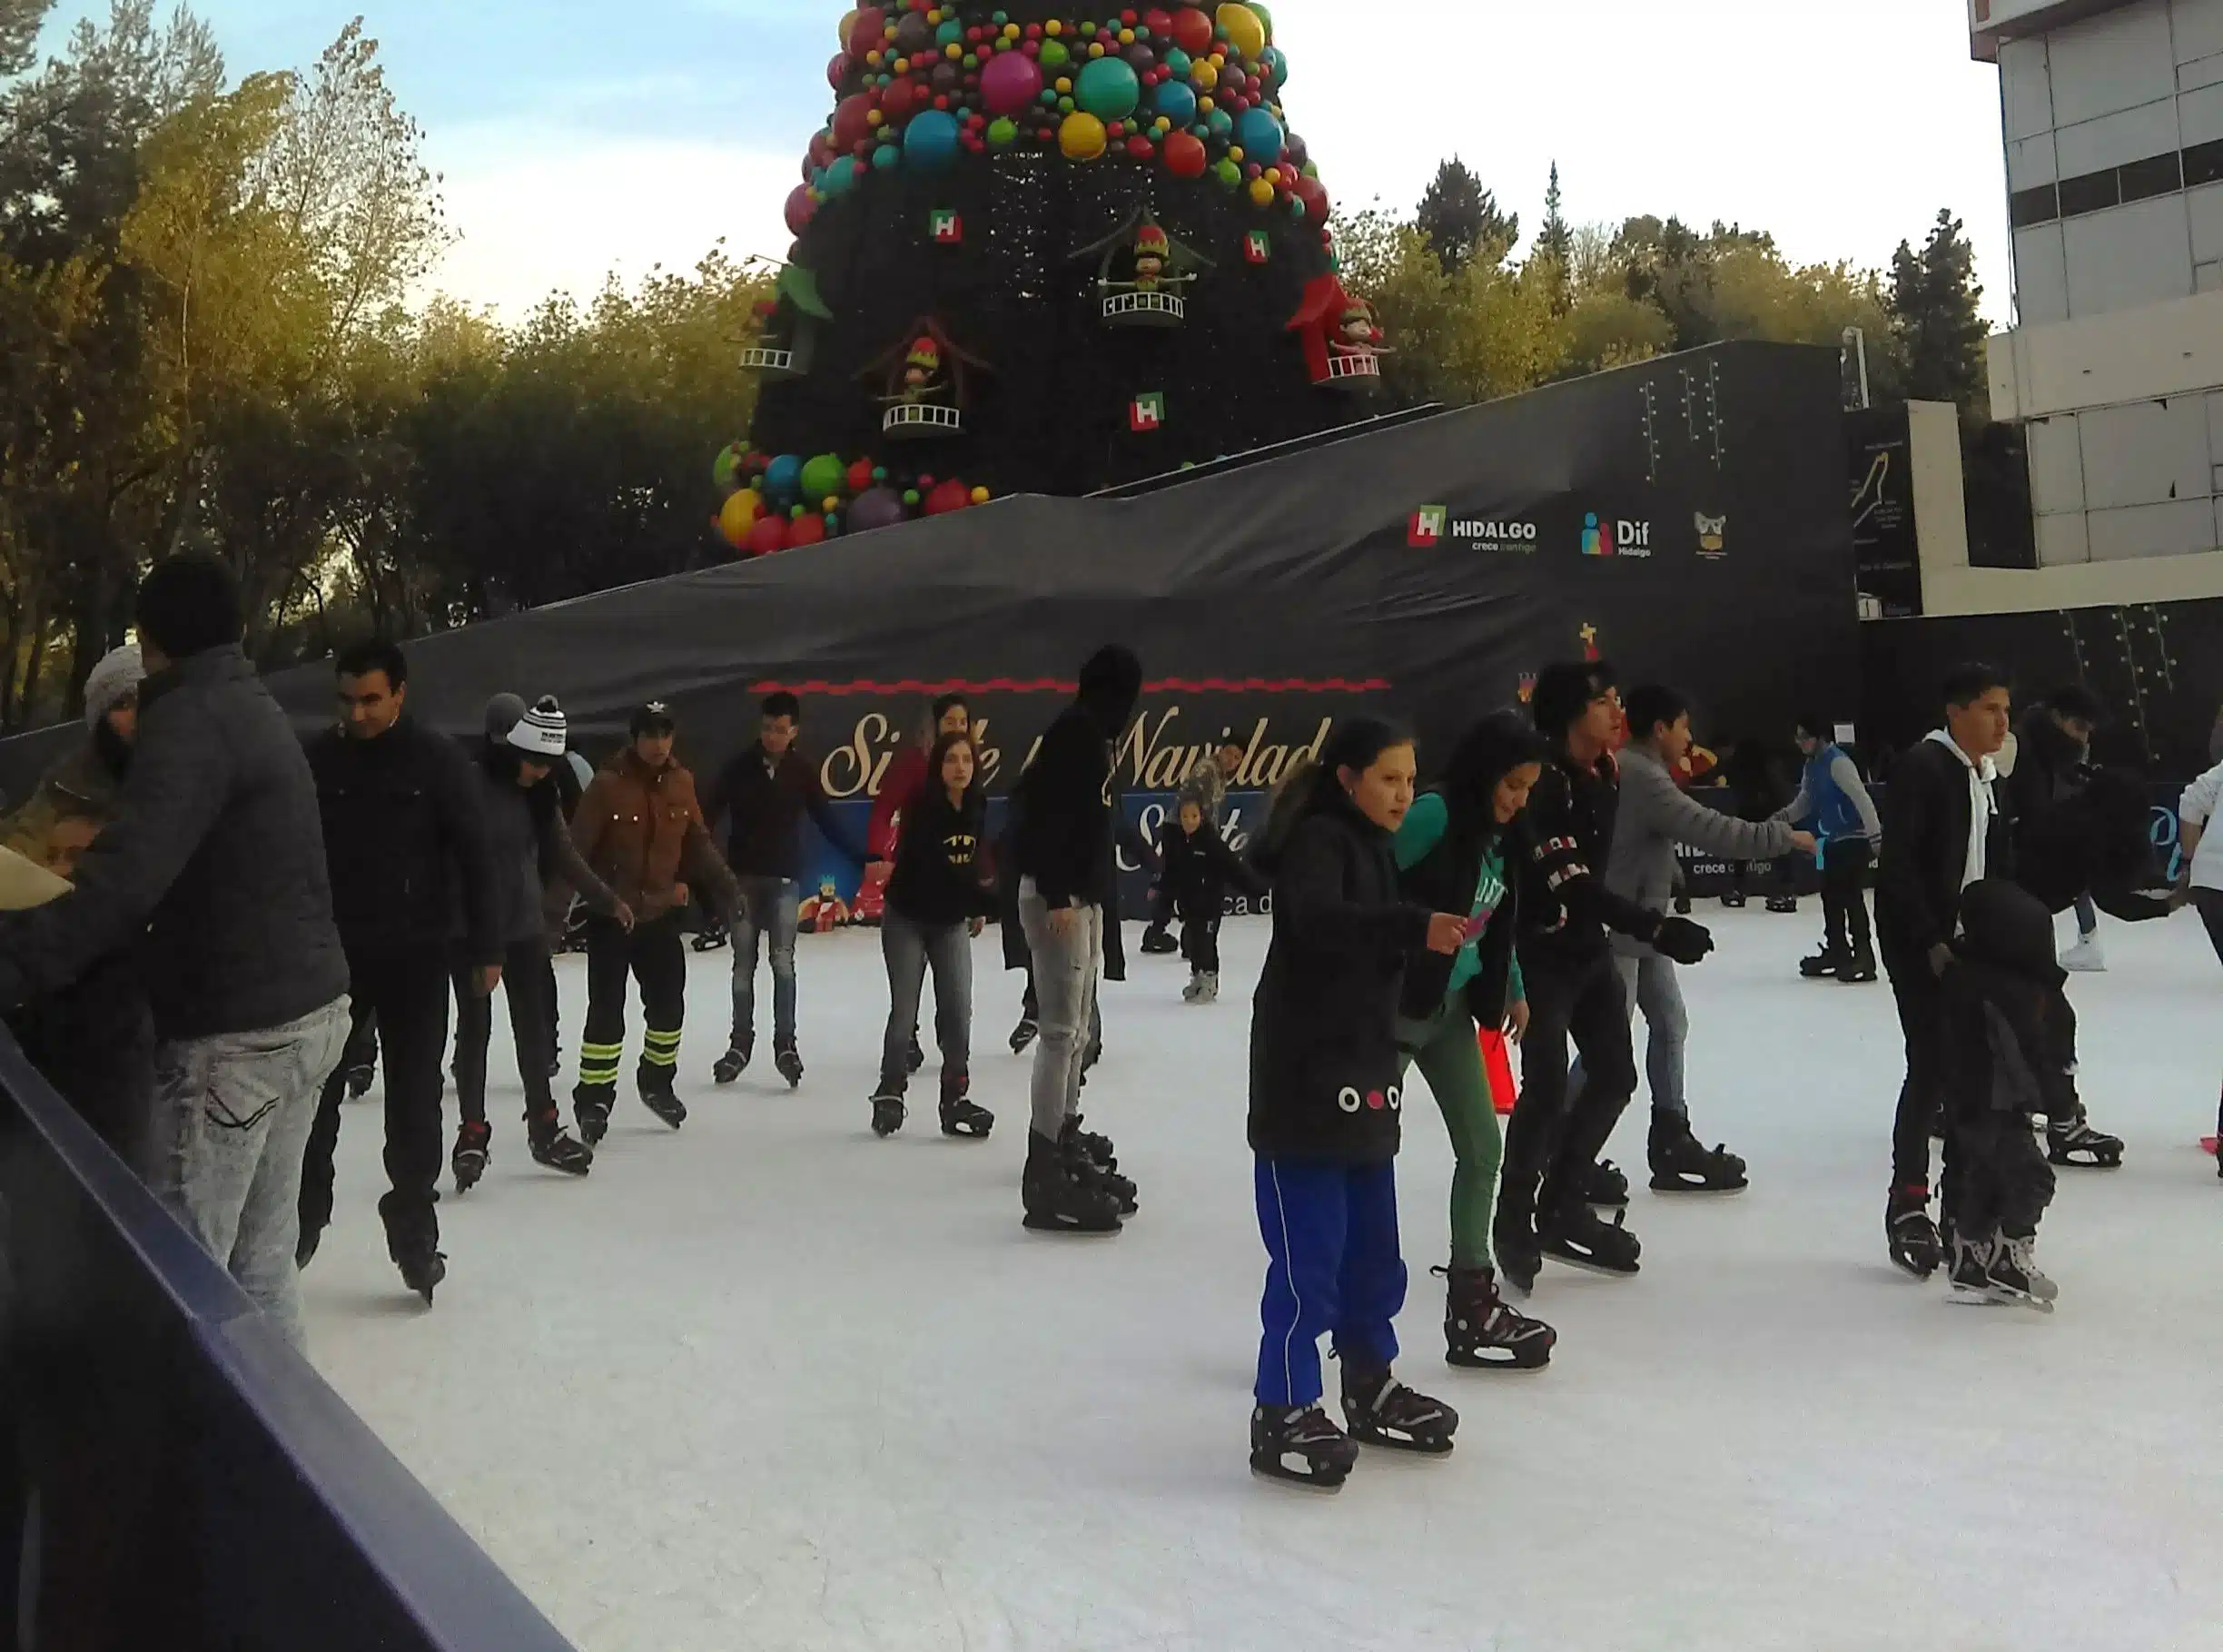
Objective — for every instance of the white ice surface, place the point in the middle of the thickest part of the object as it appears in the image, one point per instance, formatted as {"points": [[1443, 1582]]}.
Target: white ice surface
{"points": [[771, 1383]]}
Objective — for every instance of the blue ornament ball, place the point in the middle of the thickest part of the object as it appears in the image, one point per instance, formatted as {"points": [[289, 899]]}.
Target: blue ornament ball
{"points": [[930, 141]]}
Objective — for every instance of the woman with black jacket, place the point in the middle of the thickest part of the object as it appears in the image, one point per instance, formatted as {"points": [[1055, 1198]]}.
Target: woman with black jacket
{"points": [[1325, 1101], [1455, 852], [938, 899]]}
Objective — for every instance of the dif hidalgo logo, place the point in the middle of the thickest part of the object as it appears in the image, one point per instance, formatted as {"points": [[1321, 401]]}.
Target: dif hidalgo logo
{"points": [[1620, 538], [1432, 524]]}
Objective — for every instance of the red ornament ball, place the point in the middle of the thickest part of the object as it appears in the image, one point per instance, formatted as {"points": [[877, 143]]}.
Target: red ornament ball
{"points": [[1139, 147], [1185, 155], [767, 534], [1193, 31], [946, 497], [807, 531]]}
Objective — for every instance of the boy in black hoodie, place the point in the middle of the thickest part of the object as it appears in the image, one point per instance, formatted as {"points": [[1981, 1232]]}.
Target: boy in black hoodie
{"points": [[1066, 809], [1575, 991]]}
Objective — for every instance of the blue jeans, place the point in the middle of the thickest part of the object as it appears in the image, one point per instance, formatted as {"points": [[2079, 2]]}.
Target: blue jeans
{"points": [[1650, 984], [910, 950], [1332, 1265], [770, 906]]}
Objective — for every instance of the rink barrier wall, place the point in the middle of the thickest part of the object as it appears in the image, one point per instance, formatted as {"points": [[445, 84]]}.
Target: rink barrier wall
{"points": [[178, 1476]]}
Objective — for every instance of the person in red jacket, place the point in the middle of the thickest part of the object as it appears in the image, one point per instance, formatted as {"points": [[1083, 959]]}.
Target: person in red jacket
{"points": [[906, 777]]}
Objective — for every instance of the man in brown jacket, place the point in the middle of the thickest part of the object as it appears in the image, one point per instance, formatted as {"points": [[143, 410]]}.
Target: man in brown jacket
{"points": [[641, 830]]}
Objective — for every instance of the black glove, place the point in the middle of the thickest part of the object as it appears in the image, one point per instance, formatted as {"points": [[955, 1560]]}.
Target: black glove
{"points": [[1682, 941]]}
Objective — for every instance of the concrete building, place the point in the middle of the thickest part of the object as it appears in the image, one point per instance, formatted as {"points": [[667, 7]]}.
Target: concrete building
{"points": [[2113, 119]]}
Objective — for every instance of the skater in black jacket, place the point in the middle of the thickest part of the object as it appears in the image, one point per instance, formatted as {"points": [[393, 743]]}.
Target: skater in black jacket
{"points": [[1325, 1105], [1198, 871], [1574, 991], [1944, 830], [2008, 1040]]}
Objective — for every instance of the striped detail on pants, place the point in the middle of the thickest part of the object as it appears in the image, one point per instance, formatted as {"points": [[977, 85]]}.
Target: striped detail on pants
{"points": [[658, 1049], [599, 1064]]}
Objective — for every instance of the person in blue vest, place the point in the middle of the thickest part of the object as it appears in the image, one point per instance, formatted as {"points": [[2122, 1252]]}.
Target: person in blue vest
{"points": [[1833, 802]]}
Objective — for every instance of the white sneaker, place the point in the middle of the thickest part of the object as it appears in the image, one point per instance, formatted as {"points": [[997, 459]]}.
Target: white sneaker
{"points": [[2085, 957]]}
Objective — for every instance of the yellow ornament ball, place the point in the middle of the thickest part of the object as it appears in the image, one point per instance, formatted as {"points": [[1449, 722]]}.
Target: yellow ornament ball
{"points": [[1262, 192], [1235, 153], [953, 51], [1203, 75], [1053, 28], [841, 29], [1011, 31], [739, 515], [979, 496], [874, 118], [1082, 137], [1126, 37], [1064, 85], [1245, 31]]}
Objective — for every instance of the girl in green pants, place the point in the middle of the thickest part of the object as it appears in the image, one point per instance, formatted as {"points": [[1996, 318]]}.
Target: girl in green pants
{"points": [[1452, 854]]}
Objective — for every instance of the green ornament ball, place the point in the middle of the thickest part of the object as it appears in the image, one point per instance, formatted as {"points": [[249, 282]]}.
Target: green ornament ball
{"points": [[1054, 55], [1229, 174], [1002, 132], [911, 496], [880, 471]]}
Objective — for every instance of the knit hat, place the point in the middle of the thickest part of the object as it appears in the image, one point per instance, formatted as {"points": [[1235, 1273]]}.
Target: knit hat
{"points": [[113, 681], [542, 732], [926, 353], [654, 718], [502, 713], [1151, 241]]}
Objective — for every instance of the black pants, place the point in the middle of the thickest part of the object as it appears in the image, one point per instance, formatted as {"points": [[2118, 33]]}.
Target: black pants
{"points": [[2209, 903], [93, 1040], [1920, 996], [1199, 941], [2001, 1182], [654, 955], [407, 994], [1547, 1142], [1844, 900], [526, 973], [1161, 907]]}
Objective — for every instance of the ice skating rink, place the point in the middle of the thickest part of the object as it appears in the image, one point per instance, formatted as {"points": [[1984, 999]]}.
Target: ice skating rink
{"points": [[771, 1383]]}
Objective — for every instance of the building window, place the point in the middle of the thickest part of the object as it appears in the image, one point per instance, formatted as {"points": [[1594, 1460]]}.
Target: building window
{"points": [[2203, 164], [2029, 206], [2094, 191], [2155, 175]]}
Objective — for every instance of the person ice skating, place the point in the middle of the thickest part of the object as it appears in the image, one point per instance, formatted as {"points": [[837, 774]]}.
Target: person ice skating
{"points": [[1834, 800], [1457, 849], [764, 793], [1067, 805], [1552, 1173], [1206, 785], [1198, 871], [1944, 830], [938, 899], [2200, 878], [640, 830], [525, 828], [2007, 1044], [415, 891], [906, 783], [213, 868], [2051, 764], [1652, 817], [1325, 1109]]}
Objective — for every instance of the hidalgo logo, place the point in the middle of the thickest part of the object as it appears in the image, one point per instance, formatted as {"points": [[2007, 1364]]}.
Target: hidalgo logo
{"points": [[1496, 536], [1620, 538], [1425, 532], [1712, 535]]}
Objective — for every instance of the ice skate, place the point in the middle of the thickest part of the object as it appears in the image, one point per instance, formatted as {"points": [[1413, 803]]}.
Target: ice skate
{"points": [[1915, 1246], [961, 1116], [1300, 1446], [887, 1114], [1783, 902], [1056, 1197], [658, 1096], [305, 1248], [556, 1148], [1194, 992], [790, 1067], [711, 937], [1577, 1236], [1606, 1185], [731, 1066], [1512, 1236], [1210, 993], [1824, 966], [1098, 1150], [1734, 900], [1158, 941], [915, 1058], [1481, 1333], [1379, 1411], [2015, 1277], [422, 1270], [1861, 972], [2086, 957], [591, 1108], [1023, 1034], [1104, 1178], [470, 1156], [2074, 1142], [1971, 1276], [1681, 1165], [358, 1078]]}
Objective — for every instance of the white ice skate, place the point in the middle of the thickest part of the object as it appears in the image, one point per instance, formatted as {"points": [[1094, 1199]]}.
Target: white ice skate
{"points": [[2085, 957]]}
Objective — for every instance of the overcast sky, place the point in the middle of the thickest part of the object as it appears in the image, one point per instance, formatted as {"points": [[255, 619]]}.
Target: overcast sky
{"points": [[579, 135]]}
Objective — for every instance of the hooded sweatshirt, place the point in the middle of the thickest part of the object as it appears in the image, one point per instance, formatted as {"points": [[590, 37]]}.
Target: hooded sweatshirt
{"points": [[1067, 802]]}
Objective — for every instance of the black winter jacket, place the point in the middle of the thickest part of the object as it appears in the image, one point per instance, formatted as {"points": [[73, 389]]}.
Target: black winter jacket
{"points": [[765, 805], [1199, 871], [940, 860], [2010, 1033], [215, 854], [2049, 768], [1925, 849], [405, 838], [1324, 1061], [1066, 804], [1565, 907]]}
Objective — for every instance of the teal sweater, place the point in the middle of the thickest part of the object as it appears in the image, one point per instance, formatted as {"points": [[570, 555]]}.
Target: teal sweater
{"points": [[1424, 828]]}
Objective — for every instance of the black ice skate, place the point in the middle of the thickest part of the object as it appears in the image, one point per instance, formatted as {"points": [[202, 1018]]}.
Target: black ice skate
{"points": [[2015, 1277], [422, 1271], [1913, 1237], [656, 1096], [1300, 1445], [557, 1148], [790, 1067], [1158, 941], [730, 1065], [1861, 972], [1379, 1411], [1681, 1165], [470, 1156], [1481, 1333], [1098, 1150], [1824, 966], [961, 1116], [1734, 900], [1783, 902], [1971, 1275], [1513, 1237], [1023, 1034], [887, 1114], [1606, 1185], [1577, 1236], [915, 1058], [358, 1079], [711, 937], [2074, 1142], [1056, 1197], [591, 1108]]}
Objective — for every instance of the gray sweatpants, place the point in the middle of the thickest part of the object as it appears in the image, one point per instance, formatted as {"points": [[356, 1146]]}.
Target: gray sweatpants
{"points": [[1650, 985], [1065, 972], [231, 1118]]}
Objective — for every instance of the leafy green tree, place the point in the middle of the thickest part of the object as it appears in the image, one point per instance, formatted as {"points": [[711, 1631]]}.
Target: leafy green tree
{"points": [[1459, 220], [1937, 322], [1554, 246]]}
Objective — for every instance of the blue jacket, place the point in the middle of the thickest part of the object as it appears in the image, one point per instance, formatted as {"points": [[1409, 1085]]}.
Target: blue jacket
{"points": [[1831, 796]]}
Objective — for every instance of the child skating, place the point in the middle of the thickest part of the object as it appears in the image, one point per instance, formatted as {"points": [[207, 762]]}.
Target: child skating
{"points": [[1199, 871]]}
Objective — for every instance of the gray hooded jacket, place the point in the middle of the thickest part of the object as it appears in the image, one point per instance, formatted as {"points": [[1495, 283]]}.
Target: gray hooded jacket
{"points": [[1655, 817]]}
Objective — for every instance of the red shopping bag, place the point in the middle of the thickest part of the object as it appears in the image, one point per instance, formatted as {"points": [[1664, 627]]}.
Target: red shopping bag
{"points": [[1499, 1063]]}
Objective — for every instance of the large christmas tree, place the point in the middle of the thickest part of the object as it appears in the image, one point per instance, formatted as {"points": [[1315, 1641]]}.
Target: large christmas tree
{"points": [[1041, 250]]}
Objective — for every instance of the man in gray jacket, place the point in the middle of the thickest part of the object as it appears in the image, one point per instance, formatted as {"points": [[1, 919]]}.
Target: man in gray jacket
{"points": [[217, 856], [1654, 817]]}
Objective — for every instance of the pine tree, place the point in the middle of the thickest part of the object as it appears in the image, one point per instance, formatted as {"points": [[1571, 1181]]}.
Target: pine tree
{"points": [[1040, 253], [1937, 323], [1460, 219], [1555, 246]]}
